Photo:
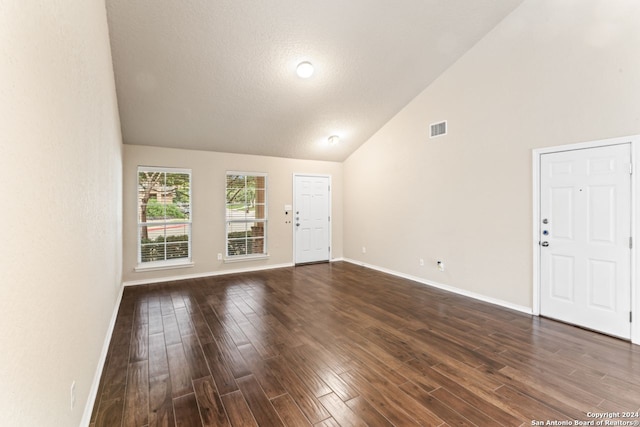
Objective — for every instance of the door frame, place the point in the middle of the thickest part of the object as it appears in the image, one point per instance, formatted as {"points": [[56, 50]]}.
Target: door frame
{"points": [[293, 225], [634, 142]]}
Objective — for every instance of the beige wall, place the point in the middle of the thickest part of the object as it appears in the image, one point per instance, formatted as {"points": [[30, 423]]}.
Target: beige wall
{"points": [[552, 73], [208, 184], [60, 158]]}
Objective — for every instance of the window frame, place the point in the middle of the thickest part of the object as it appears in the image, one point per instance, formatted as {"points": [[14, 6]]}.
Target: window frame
{"points": [[227, 220], [164, 263]]}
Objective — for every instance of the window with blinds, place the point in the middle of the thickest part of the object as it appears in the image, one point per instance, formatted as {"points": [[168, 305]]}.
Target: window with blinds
{"points": [[164, 216], [246, 214]]}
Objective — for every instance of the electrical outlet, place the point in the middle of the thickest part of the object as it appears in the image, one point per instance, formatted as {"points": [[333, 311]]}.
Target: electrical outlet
{"points": [[73, 394], [219, 257], [421, 262], [364, 250]]}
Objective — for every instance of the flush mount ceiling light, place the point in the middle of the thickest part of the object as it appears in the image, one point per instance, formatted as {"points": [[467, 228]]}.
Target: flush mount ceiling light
{"points": [[334, 139], [304, 70]]}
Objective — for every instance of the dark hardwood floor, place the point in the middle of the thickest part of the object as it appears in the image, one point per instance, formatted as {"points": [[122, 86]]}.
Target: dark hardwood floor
{"points": [[338, 344]]}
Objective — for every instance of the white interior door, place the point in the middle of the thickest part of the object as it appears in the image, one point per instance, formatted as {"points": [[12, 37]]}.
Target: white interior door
{"points": [[585, 255], [311, 218]]}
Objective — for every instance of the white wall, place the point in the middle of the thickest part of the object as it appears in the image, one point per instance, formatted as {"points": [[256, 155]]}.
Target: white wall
{"points": [[553, 72], [61, 175], [208, 184]]}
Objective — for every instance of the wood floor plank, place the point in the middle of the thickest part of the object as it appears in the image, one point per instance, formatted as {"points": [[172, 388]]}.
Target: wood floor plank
{"points": [[166, 305], [340, 411], [304, 370], [141, 311], [332, 344], [155, 320], [289, 412], [231, 356], [200, 325], [527, 406], [262, 372], [308, 403], [563, 399], [195, 357], [369, 415], [158, 364], [259, 404], [179, 371], [186, 410], [372, 360], [115, 376], [329, 422], [139, 349], [183, 317], [436, 412], [210, 405], [338, 386], [220, 372], [610, 386], [171, 331], [382, 402], [463, 408], [484, 401], [136, 410], [238, 410], [110, 412], [160, 402], [177, 300]]}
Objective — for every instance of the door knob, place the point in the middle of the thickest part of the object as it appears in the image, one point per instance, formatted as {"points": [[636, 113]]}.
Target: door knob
{"points": [[297, 224], [545, 244]]}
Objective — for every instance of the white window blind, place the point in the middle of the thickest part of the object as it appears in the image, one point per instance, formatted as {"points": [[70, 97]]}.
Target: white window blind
{"points": [[246, 214], [164, 216]]}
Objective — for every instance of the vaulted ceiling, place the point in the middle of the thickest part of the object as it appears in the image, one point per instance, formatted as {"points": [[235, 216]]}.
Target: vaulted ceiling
{"points": [[220, 75]]}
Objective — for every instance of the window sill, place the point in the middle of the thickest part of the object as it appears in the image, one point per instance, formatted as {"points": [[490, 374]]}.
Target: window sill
{"points": [[163, 266], [246, 258]]}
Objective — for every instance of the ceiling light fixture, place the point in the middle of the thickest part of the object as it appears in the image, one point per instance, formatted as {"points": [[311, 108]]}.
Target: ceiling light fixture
{"points": [[334, 139], [304, 70]]}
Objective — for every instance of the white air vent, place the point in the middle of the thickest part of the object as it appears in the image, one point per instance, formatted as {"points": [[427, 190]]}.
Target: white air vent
{"points": [[438, 129]]}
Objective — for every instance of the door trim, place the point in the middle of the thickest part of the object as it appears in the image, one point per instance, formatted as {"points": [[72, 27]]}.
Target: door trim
{"points": [[293, 231], [634, 142]]}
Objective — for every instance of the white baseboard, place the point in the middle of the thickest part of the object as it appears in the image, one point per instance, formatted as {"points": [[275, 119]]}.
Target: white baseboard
{"points": [[480, 297], [93, 392], [200, 275]]}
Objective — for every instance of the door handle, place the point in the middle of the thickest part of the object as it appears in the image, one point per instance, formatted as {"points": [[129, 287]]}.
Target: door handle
{"points": [[297, 224], [544, 244]]}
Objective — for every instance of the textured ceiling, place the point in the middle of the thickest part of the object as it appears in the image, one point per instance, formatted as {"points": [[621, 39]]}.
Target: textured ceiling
{"points": [[220, 75]]}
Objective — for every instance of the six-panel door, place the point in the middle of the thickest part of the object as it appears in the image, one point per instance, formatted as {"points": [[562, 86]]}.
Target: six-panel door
{"points": [[585, 212]]}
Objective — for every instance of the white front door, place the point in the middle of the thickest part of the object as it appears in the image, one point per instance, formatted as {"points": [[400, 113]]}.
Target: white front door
{"points": [[585, 255], [311, 218]]}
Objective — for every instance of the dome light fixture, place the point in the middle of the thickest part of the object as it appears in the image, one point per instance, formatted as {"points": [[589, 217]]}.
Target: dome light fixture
{"points": [[304, 70], [334, 139]]}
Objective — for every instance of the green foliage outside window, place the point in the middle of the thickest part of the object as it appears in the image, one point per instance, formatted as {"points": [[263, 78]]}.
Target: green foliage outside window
{"points": [[160, 211]]}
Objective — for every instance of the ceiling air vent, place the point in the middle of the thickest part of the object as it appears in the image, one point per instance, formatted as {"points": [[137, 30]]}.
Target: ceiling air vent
{"points": [[438, 129]]}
